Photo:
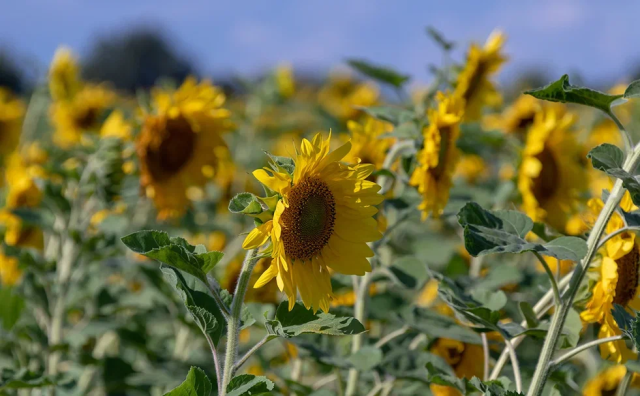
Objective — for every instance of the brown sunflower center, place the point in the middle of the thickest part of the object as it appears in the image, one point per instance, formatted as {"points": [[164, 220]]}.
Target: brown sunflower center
{"points": [[174, 151], [627, 277], [610, 392], [308, 221], [445, 142], [88, 119], [524, 123], [546, 184]]}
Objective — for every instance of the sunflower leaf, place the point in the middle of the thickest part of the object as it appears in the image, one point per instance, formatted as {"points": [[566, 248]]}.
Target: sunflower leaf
{"points": [[366, 358], [391, 114], [633, 90], [436, 325], [245, 203], [282, 163], [249, 385], [300, 320], [196, 384], [606, 156], [11, 307], [628, 324], [175, 252], [379, 73], [504, 231], [203, 308], [439, 39], [23, 379], [466, 386], [562, 91]]}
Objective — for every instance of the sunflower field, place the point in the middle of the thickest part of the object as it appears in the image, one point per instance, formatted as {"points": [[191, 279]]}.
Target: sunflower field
{"points": [[343, 237]]}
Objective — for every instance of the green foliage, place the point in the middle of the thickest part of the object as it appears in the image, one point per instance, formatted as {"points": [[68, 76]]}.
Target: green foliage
{"points": [[467, 386], [249, 385], [366, 358], [379, 73], [196, 384], [439, 39], [504, 231], [300, 320], [23, 379], [436, 325], [203, 308], [633, 90], [175, 252], [562, 91], [609, 159], [11, 307], [628, 324]]}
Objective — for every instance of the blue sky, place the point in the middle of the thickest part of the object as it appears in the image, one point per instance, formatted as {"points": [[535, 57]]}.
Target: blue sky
{"points": [[591, 38]]}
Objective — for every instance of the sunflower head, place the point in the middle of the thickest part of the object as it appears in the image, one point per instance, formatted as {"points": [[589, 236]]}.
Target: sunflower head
{"points": [[439, 157], [64, 75], [551, 176], [366, 144], [11, 114], [180, 142], [318, 216], [607, 381], [474, 84], [10, 273], [517, 118], [342, 95]]}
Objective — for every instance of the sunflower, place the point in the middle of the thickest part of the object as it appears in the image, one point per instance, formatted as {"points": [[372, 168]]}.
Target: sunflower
{"points": [[77, 106], [22, 193], [466, 360], [342, 95], [471, 168], [474, 84], [115, 126], [179, 143], [285, 80], [439, 157], [10, 273], [551, 176], [608, 380], [11, 113], [320, 218], [616, 281], [517, 118], [366, 144]]}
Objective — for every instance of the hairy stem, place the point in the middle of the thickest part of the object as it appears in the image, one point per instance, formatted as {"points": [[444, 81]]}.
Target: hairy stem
{"points": [[360, 314], [251, 351], [216, 363], [233, 325]]}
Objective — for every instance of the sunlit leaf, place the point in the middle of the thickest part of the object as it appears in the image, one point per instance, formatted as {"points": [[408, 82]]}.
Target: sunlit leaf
{"points": [[609, 159], [249, 385], [300, 320], [196, 384]]}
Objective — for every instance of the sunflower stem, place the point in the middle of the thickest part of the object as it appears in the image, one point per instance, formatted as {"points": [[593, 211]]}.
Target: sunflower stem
{"points": [[557, 322], [233, 325], [624, 385], [393, 153], [552, 278], [584, 347], [360, 315], [628, 142], [251, 351]]}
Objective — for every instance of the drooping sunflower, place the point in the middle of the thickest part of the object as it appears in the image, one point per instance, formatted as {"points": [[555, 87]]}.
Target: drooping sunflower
{"points": [[179, 143], [439, 157], [607, 381], [616, 281], [551, 176], [474, 83], [11, 113], [341, 96], [366, 144], [77, 106], [517, 118], [320, 218]]}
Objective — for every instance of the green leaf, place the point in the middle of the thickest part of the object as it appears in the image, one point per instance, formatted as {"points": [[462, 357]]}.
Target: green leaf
{"points": [[609, 159], [439, 39], [245, 203], [409, 271], [504, 231], [466, 386], [436, 325], [11, 307], [633, 90], [366, 358], [379, 73], [201, 305], [392, 114], [175, 252], [280, 164], [196, 384], [300, 320], [529, 315], [562, 91], [249, 385], [494, 300], [23, 379], [628, 324]]}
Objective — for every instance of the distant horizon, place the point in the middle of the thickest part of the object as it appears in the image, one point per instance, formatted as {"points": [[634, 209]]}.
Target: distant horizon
{"points": [[588, 41]]}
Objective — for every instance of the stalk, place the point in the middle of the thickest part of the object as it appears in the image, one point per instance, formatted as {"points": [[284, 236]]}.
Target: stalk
{"points": [[557, 322], [360, 314], [233, 325]]}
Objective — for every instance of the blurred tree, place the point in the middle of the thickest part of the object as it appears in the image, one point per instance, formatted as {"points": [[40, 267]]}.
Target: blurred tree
{"points": [[135, 59], [10, 75]]}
